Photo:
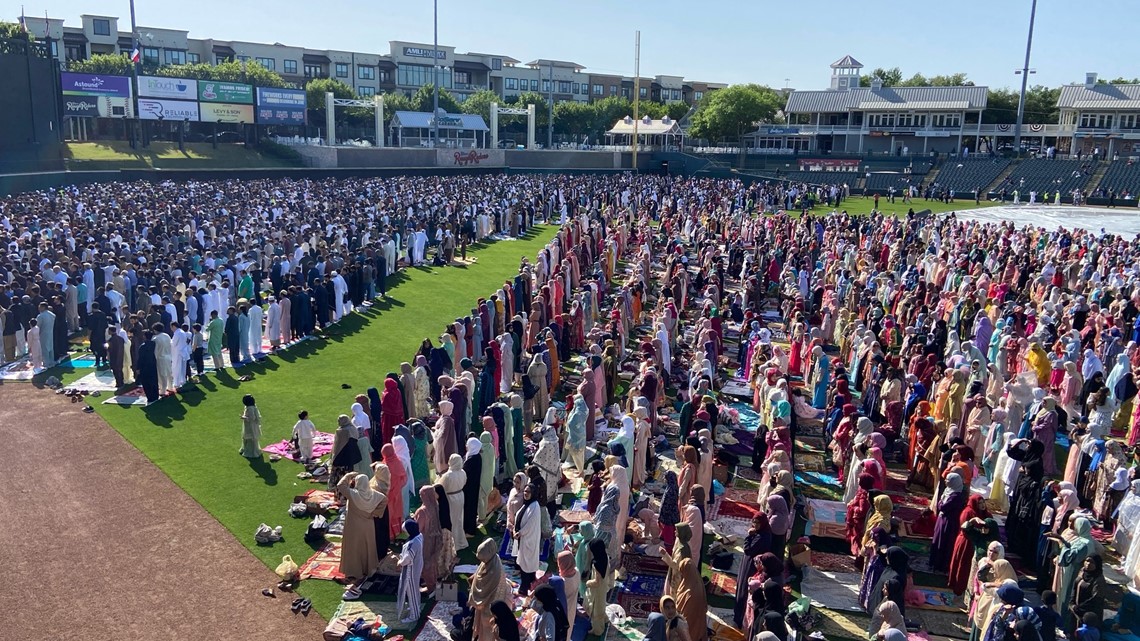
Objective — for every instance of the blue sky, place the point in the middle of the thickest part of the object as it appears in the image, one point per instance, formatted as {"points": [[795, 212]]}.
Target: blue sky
{"points": [[718, 41]]}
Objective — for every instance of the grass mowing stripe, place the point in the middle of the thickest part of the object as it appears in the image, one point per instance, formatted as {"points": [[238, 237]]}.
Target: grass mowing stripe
{"points": [[195, 440]]}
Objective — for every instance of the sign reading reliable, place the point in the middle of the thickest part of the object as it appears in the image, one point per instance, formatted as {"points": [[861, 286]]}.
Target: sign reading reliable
{"points": [[223, 112]]}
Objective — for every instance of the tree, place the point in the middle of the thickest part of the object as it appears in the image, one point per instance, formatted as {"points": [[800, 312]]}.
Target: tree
{"points": [[315, 91], [422, 100], [395, 101], [1040, 106], [479, 104], [654, 110], [108, 64], [677, 110], [733, 111], [890, 77], [952, 80], [541, 115], [574, 118], [607, 112], [1119, 80], [13, 31]]}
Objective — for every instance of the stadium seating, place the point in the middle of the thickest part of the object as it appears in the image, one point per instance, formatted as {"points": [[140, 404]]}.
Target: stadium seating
{"points": [[1043, 175], [1121, 176], [849, 178], [881, 183], [964, 175]]}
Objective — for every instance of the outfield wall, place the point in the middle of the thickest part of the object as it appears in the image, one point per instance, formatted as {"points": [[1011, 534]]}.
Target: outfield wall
{"points": [[372, 157]]}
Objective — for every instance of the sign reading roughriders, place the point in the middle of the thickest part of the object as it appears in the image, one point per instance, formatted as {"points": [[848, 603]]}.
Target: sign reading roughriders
{"points": [[231, 92], [470, 157]]}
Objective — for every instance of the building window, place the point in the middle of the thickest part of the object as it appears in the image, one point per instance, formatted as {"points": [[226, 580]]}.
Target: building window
{"points": [[575, 88], [1127, 121], [511, 83], [642, 92], [545, 85], [698, 95], [534, 85], [175, 57], [291, 66], [366, 92], [220, 59], [342, 70], [73, 51], [313, 71], [462, 77], [597, 90], [613, 90], [268, 63], [563, 86], [385, 76], [366, 73], [420, 75], [101, 27], [150, 56], [626, 92], [193, 58], [496, 64]]}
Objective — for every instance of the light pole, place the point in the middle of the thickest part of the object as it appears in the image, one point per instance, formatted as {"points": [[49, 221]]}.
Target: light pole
{"points": [[550, 110], [1024, 81], [435, 75]]}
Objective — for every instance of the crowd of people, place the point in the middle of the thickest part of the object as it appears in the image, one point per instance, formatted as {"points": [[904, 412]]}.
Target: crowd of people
{"points": [[991, 366]]}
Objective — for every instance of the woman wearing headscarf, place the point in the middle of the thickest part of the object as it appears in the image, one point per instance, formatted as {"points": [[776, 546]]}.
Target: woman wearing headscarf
{"points": [[757, 542], [1021, 526], [780, 520], [427, 518], [892, 582], [1003, 612], [374, 411], [880, 517], [358, 559], [1088, 591], [411, 565], [686, 586], [345, 455], [597, 584], [552, 623], [453, 482], [443, 438], [381, 482], [886, 617], [687, 457], [875, 562], [403, 452], [473, 478], [946, 527], [549, 463], [605, 522], [1070, 561], [1045, 431], [487, 478], [506, 626], [670, 514], [421, 472], [576, 433], [993, 571], [571, 580], [391, 410], [447, 545], [976, 531], [619, 478], [421, 388], [488, 585]]}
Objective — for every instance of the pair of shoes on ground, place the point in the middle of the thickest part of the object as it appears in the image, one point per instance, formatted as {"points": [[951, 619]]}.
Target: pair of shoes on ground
{"points": [[301, 605]]}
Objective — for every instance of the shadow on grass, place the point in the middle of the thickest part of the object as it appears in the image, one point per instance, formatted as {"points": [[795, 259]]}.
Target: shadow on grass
{"points": [[263, 469]]}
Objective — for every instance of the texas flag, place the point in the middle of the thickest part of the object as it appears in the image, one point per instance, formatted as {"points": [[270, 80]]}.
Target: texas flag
{"points": [[135, 53]]}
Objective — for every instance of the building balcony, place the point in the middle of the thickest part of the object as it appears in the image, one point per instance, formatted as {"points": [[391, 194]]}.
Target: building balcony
{"points": [[460, 86]]}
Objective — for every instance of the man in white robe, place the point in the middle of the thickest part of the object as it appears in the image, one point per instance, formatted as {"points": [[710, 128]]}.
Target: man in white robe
{"points": [[255, 332], [340, 288], [273, 323], [179, 356], [163, 356]]}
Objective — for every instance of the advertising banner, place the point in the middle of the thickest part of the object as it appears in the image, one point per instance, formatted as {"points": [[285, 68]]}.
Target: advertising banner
{"points": [[86, 84], [778, 131], [231, 92], [176, 88], [470, 157], [174, 110], [280, 106], [223, 112], [829, 164]]}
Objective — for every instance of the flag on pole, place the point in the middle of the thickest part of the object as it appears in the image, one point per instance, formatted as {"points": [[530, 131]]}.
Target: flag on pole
{"points": [[135, 53], [23, 20]]}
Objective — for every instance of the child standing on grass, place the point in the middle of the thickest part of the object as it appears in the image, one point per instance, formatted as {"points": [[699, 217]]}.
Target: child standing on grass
{"points": [[303, 434]]}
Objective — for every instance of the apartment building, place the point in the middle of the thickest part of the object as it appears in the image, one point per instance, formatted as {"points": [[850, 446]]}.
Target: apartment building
{"points": [[405, 67]]}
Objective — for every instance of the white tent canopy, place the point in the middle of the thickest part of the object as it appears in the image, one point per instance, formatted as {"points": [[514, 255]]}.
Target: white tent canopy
{"points": [[665, 132], [414, 129]]}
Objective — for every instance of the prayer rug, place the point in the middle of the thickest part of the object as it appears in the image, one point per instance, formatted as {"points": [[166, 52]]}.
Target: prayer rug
{"points": [[98, 381], [809, 443], [743, 445], [937, 599], [819, 478], [646, 584], [349, 611], [720, 623], [832, 590], [741, 483], [811, 462], [915, 547], [80, 362], [322, 444], [826, 530], [730, 527], [641, 564], [842, 625], [954, 625], [747, 418], [135, 396], [915, 530], [737, 390], [921, 564], [831, 562], [383, 584], [819, 511], [740, 496], [828, 544], [20, 370], [325, 564], [820, 491], [638, 606], [437, 627], [747, 473], [721, 584], [336, 526], [738, 509], [573, 516], [627, 631]]}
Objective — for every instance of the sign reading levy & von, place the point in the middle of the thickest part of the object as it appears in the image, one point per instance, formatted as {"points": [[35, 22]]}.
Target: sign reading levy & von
{"points": [[222, 112]]}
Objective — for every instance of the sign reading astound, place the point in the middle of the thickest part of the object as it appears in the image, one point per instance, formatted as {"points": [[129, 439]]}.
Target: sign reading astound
{"points": [[423, 52], [280, 106], [86, 84], [176, 88], [232, 92]]}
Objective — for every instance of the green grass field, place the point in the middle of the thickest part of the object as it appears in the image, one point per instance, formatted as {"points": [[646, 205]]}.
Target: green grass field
{"points": [[166, 155], [195, 439], [857, 205]]}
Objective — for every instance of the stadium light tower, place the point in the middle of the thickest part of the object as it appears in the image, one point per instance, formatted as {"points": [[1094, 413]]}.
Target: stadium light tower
{"points": [[1024, 82], [435, 76]]}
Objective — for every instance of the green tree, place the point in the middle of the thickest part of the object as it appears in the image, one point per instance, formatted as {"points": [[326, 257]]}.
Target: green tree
{"points": [[393, 102], [891, 77], [422, 100], [13, 31], [953, 80], [1040, 106], [677, 110], [607, 112], [654, 110], [1119, 80], [541, 114], [315, 91], [102, 63], [574, 119], [479, 104], [917, 80], [731, 112]]}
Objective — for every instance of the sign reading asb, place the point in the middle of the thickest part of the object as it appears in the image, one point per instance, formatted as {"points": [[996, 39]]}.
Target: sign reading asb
{"points": [[177, 88], [211, 91], [280, 106], [85, 84], [175, 110], [423, 52]]}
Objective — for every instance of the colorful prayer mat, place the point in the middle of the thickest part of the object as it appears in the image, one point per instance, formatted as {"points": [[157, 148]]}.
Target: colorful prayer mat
{"points": [[831, 562], [943, 624], [322, 444], [842, 625], [20, 370], [739, 495], [937, 599], [641, 564], [135, 396], [742, 483], [811, 462], [730, 527], [826, 530], [915, 547], [810, 427], [325, 564], [646, 584], [437, 627], [738, 509], [573, 516], [638, 606], [832, 590], [820, 511], [722, 584], [350, 611]]}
